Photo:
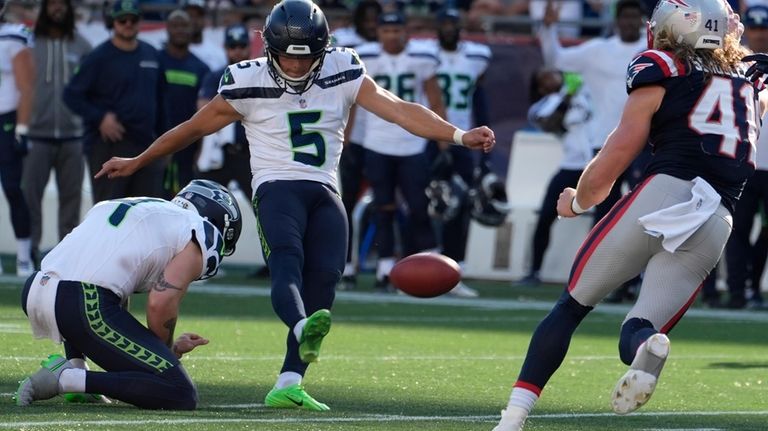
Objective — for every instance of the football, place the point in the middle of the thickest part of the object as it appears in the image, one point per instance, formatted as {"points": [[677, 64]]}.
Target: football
{"points": [[425, 275]]}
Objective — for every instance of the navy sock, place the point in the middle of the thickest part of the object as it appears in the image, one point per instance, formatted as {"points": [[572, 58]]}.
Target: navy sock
{"points": [[634, 332], [551, 339]]}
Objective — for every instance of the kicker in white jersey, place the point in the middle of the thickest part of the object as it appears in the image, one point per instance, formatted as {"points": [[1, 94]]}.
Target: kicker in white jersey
{"points": [[292, 136]]}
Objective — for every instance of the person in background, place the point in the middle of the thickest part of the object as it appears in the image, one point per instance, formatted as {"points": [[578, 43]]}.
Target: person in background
{"points": [[122, 247], [17, 77], [675, 224], [55, 135], [560, 106], [460, 77], [224, 156], [119, 90], [206, 50], [365, 19], [740, 253], [184, 74], [396, 160]]}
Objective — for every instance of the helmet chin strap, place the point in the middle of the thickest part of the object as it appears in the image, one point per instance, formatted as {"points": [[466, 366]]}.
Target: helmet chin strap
{"points": [[297, 84]]}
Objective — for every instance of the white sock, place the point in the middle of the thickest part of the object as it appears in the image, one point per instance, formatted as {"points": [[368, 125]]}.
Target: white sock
{"points": [[79, 363], [288, 378], [384, 267], [522, 398], [72, 380], [349, 269], [24, 249], [298, 328]]}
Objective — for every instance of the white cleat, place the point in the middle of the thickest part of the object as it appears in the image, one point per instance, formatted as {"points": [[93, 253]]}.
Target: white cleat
{"points": [[461, 290], [44, 384], [635, 388], [512, 419]]}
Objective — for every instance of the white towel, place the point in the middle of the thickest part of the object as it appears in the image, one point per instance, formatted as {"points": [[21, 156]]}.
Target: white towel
{"points": [[678, 222], [41, 306], [212, 150]]}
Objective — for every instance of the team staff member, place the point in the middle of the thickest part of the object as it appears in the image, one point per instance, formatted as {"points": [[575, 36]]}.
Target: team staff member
{"points": [[119, 92], [184, 74]]}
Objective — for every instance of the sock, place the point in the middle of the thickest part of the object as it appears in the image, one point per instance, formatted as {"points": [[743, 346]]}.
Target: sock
{"points": [[349, 269], [384, 267], [79, 363], [299, 328], [288, 378], [523, 398], [72, 380], [24, 249]]}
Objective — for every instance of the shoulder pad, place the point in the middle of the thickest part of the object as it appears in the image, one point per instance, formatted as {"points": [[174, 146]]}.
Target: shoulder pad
{"points": [[653, 66], [476, 51], [17, 32], [371, 49], [344, 56]]}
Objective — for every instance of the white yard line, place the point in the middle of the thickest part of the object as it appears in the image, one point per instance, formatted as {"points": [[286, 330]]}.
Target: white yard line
{"points": [[364, 418]]}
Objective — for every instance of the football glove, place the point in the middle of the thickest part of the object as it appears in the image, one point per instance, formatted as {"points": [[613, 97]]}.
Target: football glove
{"points": [[758, 71]]}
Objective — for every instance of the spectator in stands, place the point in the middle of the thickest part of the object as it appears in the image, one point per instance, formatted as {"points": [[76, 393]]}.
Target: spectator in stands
{"points": [[460, 76], [365, 19], [55, 138], [570, 12], [184, 74], [394, 158], [202, 46], [16, 92], [224, 156], [739, 251], [560, 106], [119, 92]]}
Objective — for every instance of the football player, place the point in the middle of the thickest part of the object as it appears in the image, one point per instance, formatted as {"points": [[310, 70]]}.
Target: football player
{"points": [[122, 247], [691, 97], [395, 159], [16, 90], [460, 74], [294, 104]]}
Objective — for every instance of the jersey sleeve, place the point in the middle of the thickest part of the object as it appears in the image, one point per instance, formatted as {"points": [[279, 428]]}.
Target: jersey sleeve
{"points": [[426, 58], [653, 67], [19, 37], [480, 55], [343, 72], [238, 85]]}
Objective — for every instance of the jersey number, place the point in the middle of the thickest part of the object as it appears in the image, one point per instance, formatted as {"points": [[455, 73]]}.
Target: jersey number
{"points": [[403, 85], [119, 213], [463, 88], [300, 138], [715, 114]]}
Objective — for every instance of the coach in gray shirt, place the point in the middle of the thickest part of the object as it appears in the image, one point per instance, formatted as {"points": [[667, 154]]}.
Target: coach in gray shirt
{"points": [[55, 133]]}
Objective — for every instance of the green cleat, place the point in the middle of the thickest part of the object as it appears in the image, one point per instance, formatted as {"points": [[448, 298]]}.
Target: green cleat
{"points": [[78, 398], [316, 328], [293, 397], [44, 384]]}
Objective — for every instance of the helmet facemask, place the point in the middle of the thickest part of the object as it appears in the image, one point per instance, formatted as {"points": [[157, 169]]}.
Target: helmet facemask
{"points": [[290, 84]]}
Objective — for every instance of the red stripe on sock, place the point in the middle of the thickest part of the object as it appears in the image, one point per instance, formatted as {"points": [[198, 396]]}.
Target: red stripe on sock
{"points": [[531, 387]]}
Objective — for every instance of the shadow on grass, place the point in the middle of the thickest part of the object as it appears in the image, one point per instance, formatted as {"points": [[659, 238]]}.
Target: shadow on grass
{"points": [[738, 366]]}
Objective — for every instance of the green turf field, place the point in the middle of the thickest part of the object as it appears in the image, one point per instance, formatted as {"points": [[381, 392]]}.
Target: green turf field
{"points": [[397, 363]]}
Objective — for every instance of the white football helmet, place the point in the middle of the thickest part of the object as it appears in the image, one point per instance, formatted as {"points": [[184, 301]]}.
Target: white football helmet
{"points": [[702, 24]]}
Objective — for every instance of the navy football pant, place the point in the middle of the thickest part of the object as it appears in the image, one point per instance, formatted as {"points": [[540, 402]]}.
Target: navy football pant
{"points": [[11, 163], [303, 230], [351, 178], [140, 368]]}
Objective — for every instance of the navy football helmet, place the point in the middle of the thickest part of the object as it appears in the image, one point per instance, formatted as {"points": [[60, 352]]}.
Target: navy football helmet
{"points": [[295, 28], [215, 203], [488, 199], [446, 197]]}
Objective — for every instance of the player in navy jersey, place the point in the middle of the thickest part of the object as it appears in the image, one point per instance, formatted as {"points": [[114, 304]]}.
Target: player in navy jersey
{"points": [[690, 98], [294, 104]]}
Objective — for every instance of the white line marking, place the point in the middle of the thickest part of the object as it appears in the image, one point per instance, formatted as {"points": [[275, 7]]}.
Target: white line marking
{"points": [[365, 418], [682, 429], [235, 406]]}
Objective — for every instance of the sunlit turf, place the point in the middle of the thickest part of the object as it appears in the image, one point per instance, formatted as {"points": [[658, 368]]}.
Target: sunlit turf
{"points": [[388, 366]]}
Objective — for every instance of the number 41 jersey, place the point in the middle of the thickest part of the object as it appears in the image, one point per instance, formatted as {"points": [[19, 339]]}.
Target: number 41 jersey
{"points": [[707, 123], [291, 136]]}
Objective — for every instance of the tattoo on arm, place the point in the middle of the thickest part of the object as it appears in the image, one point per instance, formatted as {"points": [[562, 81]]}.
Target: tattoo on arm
{"points": [[162, 285], [170, 325]]}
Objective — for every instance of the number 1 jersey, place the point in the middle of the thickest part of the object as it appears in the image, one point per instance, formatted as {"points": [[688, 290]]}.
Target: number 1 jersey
{"points": [[294, 136]]}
